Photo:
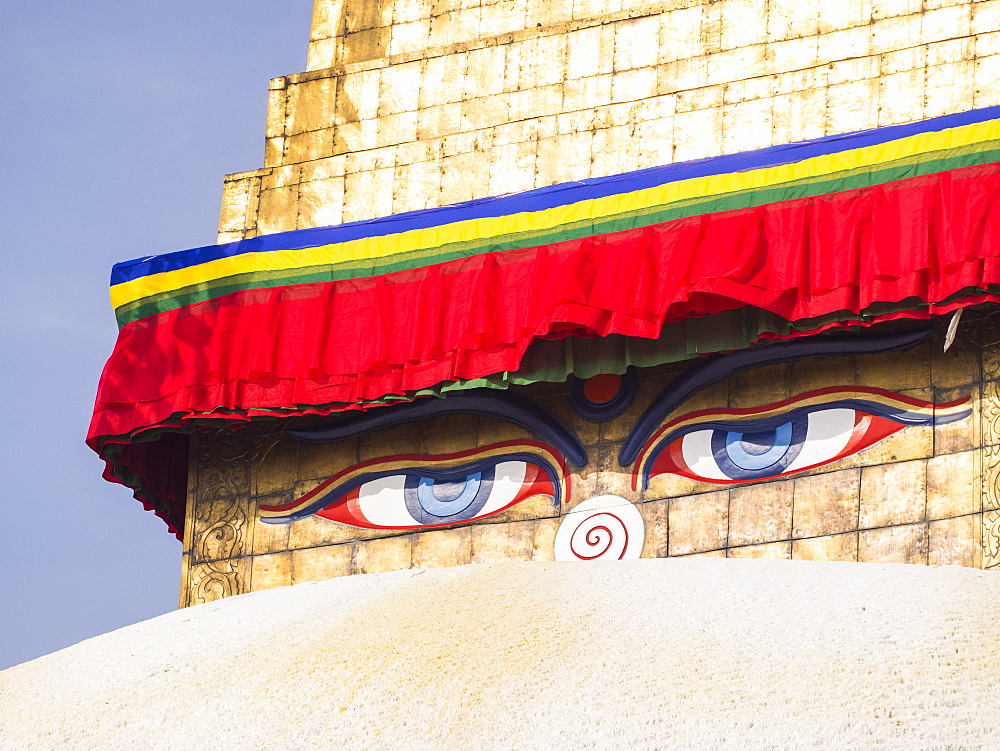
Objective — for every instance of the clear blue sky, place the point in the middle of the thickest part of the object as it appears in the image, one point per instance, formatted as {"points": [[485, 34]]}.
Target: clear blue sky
{"points": [[119, 121]]}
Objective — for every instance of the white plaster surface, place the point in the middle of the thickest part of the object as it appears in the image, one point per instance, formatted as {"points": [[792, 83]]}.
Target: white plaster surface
{"points": [[695, 653]]}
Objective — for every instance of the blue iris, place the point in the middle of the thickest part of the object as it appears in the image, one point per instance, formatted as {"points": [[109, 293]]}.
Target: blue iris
{"points": [[764, 453], [445, 500], [758, 450]]}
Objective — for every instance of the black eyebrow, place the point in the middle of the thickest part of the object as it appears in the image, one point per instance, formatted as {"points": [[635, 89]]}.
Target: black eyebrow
{"points": [[504, 406], [716, 368]]}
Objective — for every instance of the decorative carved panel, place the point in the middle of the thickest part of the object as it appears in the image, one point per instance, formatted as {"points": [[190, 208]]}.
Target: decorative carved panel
{"points": [[991, 539], [221, 534]]}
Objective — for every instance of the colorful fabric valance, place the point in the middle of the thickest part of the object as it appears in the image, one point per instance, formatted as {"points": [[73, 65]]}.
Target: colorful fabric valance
{"points": [[898, 221]]}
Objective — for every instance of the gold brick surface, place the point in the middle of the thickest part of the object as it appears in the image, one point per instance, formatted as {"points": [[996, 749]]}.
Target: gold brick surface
{"points": [[585, 482], [707, 554], [492, 543], [269, 571], [810, 375], [319, 461], [655, 518], [958, 366], [236, 196], [543, 545], [321, 563], [309, 146], [555, 58], [760, 513], [760, 387], [446, 547], [774, 550], [494, 430], [561, 407], [904, 544], [989, 411], [964, 434], [310, 105], [991, 478], [402, 439], [893, 494], [321, 202], [382, 554], [954, 542], [535, 507], [276, 469], [826, 504], [672, 486], [896, 371], [271, 538], [312, 531], [278, 210], [842, 547], [447, 434], [698, 522], [953, 485], [910, 443]]}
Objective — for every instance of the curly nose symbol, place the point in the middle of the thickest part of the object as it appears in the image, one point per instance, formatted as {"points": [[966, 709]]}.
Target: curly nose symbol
{"points": [[607, 527]]}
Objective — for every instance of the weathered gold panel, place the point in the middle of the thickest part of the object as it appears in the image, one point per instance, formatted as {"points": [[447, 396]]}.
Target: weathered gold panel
{"points": [[698, 522], [829, 548], [826, 504], [724, 76], [905, 544], [759, 513]]}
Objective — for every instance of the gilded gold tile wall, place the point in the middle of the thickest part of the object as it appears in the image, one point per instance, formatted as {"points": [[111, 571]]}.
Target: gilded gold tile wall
{"points": [[409, 104]]}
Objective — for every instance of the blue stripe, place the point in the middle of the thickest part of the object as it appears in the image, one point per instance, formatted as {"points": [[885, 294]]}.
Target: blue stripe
{"points": [[544, 198]]}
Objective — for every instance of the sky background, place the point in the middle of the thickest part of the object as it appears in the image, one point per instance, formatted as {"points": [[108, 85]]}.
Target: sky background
{"points": [[119, 121]]}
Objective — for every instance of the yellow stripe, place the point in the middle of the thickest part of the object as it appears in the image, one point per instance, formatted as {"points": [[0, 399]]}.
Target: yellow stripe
{"points": [[596, 208], [953, 410]]}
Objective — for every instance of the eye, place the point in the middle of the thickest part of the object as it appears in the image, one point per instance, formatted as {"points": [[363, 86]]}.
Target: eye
{"points": [[413, 492], [809, 431], [430, 499], [754, 450]]}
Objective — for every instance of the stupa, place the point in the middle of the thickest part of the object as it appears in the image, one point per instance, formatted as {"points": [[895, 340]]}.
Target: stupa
{"points": [[553, 287]]}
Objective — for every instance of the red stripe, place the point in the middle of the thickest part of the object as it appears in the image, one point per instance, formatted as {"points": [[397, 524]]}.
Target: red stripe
{"points": [[927, 238]]}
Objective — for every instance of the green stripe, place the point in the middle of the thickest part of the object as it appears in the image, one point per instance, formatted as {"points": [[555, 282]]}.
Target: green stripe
{"points": [[967, 156]]}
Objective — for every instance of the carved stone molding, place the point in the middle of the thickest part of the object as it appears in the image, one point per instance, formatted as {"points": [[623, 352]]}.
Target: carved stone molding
{"points": [[990, 430], [221, 531], [984, 335], [215, 580], [991, 539], [991, 478], [991, 413]]}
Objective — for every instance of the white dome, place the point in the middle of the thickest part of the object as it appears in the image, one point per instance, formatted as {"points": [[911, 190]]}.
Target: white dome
{"points": [[699, 653]]}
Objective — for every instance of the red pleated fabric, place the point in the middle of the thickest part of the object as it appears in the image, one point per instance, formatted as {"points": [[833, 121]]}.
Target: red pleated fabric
{"points": [[356, 340], [927, 239]]}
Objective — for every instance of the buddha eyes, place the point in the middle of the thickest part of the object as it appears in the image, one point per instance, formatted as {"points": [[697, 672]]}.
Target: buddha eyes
{"points": [[415, 492], [757, 449], [721, 446], [809, 431]]}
